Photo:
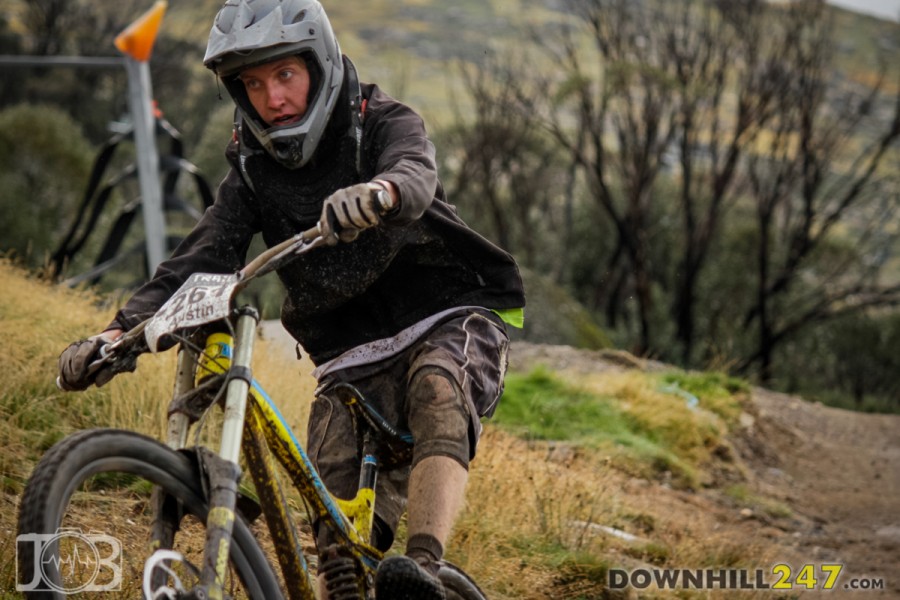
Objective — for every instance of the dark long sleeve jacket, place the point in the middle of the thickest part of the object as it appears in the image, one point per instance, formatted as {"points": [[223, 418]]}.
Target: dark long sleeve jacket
{"points": [[423, 260]]}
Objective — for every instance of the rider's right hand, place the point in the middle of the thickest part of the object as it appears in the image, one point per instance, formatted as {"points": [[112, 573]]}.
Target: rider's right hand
{"points": [[350, 210], [76, 361]]}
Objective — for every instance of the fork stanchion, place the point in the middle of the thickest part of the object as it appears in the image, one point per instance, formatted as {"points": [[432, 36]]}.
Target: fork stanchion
{"points": [[239, 378], [177, 429], [224, 471]]}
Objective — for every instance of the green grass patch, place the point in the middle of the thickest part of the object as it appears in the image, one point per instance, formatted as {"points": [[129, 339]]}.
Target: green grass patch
{"points": [[541, 406], [716, 392]]}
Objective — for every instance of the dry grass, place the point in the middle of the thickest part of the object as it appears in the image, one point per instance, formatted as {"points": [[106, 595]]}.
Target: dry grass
{"points": [[517, 535], [530, 526], [691, 433], [539, 518], [37, 321]]}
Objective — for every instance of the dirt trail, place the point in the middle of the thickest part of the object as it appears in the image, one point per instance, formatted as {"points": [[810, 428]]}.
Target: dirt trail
{"points": [[840, 472], [837, 471]]}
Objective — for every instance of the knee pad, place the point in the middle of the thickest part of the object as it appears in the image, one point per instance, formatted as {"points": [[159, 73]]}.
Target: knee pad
{"points": [[438, 416]]}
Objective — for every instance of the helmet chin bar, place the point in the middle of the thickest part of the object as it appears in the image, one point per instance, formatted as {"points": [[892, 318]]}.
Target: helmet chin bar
{"points": [[289, 152]]}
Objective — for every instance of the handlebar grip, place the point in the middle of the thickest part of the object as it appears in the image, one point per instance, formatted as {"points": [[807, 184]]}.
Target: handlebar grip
{"points": [[311, 233], [382, 197]]}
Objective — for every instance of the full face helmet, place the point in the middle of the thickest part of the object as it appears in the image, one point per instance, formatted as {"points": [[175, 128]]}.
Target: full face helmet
{"points": [[247, 33]]}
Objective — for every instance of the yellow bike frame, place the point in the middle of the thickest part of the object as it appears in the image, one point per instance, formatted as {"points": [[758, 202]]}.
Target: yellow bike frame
{"points": [[267, 440]]}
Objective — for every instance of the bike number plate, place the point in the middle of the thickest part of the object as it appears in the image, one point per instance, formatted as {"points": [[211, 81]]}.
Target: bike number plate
{"points": [[203, 298]]}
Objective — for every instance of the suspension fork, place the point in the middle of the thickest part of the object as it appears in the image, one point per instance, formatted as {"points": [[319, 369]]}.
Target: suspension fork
{"points": [[223, 470]]}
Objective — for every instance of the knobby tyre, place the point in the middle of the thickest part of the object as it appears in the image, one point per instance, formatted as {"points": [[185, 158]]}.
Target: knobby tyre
{"points": [[94, 487]]}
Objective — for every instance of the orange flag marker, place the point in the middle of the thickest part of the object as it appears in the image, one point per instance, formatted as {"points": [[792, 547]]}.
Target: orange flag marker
{"points": [[138, 38]]}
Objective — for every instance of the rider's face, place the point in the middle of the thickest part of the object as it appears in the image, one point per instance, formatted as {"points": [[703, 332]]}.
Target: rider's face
{"points": [[278, 90]]}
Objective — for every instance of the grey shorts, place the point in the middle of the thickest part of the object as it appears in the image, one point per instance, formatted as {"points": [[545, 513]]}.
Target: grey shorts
{"points": [[471, 348]]}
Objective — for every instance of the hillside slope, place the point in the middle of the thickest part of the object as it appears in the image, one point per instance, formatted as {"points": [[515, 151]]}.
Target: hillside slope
{"points": [[790, 482], [837, 472]]}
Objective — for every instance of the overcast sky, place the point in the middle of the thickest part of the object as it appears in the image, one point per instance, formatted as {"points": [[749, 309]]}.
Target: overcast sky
{"points": [[886, 9]]}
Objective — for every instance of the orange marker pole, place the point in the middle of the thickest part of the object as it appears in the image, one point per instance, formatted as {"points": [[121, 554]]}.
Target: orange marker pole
{"points": [[136, 43]]}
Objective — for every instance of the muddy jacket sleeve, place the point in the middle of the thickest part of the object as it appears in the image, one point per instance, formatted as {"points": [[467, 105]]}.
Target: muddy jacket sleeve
{"points": [[406, 157], [217, 244]]}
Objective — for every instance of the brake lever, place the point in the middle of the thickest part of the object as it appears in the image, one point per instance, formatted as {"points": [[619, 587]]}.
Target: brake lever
{"points": [[92, 369], [107, 356]]}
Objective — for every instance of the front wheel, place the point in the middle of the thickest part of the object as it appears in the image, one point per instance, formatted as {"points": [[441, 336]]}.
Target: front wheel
{"points": [[85, 519]]}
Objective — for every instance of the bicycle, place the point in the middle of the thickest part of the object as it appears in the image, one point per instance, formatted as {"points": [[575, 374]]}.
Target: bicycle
{"points": [[193, 480]]}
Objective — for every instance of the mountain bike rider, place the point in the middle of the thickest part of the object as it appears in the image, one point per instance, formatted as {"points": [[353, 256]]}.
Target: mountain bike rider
{"points": [[411, 312]]}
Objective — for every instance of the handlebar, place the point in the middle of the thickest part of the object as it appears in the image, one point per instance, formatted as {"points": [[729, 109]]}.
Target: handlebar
{"points": [[269, 260], [121, 354], [132, 342]]}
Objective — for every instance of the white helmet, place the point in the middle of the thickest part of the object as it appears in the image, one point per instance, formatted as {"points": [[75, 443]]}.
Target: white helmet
{"points": [[247, 33]]}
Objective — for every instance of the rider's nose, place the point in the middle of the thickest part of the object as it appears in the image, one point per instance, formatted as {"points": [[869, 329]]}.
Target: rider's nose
{"points": [[274, 96]]}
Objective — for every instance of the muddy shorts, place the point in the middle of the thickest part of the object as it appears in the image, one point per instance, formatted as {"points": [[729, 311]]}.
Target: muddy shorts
{"points": [[469, 348]]}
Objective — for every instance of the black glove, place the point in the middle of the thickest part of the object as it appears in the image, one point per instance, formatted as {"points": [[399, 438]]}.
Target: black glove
{"points": [[350, 210], [78, 366]]}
